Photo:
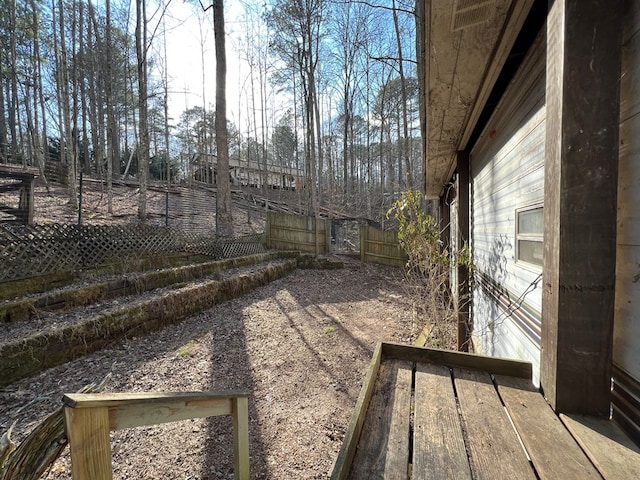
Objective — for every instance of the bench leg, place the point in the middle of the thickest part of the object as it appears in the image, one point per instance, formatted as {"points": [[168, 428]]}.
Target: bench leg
{"points": [[241, 437]]}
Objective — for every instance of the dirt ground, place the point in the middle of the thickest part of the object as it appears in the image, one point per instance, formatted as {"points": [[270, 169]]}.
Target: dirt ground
{"points": [[300, 346]]}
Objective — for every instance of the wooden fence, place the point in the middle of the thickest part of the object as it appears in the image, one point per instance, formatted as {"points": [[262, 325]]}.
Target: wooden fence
{"points": [[27, 251], [381, 246], [294, 232]]}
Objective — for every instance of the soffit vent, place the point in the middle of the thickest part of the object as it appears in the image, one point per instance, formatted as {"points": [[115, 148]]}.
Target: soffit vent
{"points": [[467, 13]]}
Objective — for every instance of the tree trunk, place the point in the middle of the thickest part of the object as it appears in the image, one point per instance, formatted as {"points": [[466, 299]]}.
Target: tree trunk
{"points": [[403, 93], [143, 144], [224, 218], [67, 147], [13, 95], [112, 131]]}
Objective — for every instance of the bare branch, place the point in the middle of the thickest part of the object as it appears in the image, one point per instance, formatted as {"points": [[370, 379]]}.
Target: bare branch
{"points": [[374, 5]]}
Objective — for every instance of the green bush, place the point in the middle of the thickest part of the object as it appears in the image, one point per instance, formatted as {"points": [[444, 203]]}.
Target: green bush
{"points": [[428, 268]]}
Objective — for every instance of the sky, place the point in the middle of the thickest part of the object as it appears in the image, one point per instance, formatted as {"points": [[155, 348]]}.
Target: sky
{"points": [[188, 40]]}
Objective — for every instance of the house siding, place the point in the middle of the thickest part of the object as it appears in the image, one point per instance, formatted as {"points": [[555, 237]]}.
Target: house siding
{"points": [[626, 354], [507, 171]]}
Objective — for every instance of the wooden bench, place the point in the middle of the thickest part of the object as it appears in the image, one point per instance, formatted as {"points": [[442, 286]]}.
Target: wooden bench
{"points": [[90, 417], [426, 413]]}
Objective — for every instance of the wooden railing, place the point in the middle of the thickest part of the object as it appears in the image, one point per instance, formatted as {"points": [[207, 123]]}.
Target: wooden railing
{"points": [[90, 417]]}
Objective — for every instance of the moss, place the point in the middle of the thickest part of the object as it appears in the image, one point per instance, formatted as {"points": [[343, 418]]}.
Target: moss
{"points": [[18, 311], [187, 349], [20, 359], [41, 283], [319, 263]]}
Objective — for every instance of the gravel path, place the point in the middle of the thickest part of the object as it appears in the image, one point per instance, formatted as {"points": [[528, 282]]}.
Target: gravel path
{"points": [[300, 345]]}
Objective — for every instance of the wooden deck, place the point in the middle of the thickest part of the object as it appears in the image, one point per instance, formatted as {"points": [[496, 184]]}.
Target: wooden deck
{"points": [[425, 413]]}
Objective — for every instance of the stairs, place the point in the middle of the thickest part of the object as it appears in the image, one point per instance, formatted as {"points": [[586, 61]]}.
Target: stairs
{"points": [[53, 327]]}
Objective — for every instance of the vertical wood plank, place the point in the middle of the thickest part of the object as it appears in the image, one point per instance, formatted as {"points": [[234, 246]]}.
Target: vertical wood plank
{"points": [[580, 182], [383, 450], [438, 445], [268, 229], [241, 438], [495, 449], [88, 434], [462, 300]]}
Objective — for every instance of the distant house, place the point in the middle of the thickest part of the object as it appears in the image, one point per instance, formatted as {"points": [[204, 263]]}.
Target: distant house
{"points": [[243, 174], [532, 131]]}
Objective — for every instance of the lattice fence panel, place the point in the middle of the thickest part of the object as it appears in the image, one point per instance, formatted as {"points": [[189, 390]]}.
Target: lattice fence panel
{"points": [[27, 251]]}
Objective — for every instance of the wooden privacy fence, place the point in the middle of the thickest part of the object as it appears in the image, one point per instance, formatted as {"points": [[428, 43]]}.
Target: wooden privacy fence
{"points": [[381, 246], [294, 232], [27, 251], [89, 417]]}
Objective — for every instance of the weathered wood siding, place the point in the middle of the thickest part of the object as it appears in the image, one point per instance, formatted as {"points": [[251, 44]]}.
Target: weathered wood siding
{"points": [[626, 347], [381, 246], [507, 172], [294, 232]]}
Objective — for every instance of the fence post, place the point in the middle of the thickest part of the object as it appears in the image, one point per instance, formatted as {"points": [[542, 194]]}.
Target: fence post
{"points": [[327, 237], [316, 234], [267, 229], [166, 208], [363, 242]]}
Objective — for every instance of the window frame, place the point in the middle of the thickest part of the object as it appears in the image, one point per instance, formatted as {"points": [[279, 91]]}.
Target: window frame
{"points": [[528, 237]]}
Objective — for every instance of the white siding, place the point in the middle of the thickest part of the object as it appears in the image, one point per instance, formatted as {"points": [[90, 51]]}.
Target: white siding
{"points": [[626, 350], [507, 170]]}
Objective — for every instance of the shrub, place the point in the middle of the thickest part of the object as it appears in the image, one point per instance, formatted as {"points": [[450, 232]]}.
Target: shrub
{"points": [[428, 268]]}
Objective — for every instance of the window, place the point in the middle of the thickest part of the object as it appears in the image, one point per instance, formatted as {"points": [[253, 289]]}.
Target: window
{"points": [[529, 230]]}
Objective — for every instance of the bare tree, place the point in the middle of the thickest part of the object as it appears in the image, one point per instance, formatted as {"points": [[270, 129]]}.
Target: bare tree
{"points": [[143, 106], [224, 217]]}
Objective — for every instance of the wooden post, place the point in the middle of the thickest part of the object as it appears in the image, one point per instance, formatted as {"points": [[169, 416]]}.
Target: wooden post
{"points": [[241, 438], [267, 229], [327, 236], [581, 173], [463, 301], [88, 434], [26, 201]]}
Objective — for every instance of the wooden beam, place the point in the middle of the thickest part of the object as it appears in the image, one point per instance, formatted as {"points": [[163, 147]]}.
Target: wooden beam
{"points": [[451, 359], [342, 465], [463, 300], [581, 173], [90, 417]]}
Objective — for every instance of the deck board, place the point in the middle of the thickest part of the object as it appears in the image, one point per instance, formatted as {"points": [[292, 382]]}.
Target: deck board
{"points": [[551, 447], [495, 449], [615, 455], [383, 450], [466, 428], [438, 445]]}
